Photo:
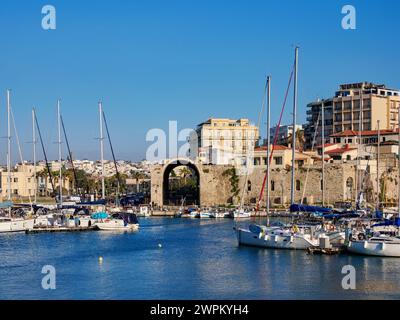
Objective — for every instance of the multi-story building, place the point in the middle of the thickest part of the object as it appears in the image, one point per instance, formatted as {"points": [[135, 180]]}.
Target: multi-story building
{"points": [[23, 184], [283, 134], [282, 157], [358, 106], [223, 141]]}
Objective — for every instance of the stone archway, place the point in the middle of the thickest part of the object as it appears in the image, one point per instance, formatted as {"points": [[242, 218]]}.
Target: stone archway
{"points": [[172, 193]]}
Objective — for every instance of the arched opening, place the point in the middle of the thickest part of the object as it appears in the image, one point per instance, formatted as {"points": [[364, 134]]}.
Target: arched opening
{"points": [[181, 182]]}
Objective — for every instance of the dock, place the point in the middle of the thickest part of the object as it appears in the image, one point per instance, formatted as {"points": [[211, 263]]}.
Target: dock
{"points": [[60, 229]]}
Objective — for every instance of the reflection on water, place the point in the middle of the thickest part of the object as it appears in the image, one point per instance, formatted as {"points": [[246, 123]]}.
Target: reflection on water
{"points": [[181, 259]]}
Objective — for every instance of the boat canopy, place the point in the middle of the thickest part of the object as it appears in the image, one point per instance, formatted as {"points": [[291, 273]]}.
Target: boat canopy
{"points": [[395, 222], [93, 203], [309, 209], [99, 215], [348, 214]]}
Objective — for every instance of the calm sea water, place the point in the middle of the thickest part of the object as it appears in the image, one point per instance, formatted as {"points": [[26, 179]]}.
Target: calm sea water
{"points": [[196, 260]]}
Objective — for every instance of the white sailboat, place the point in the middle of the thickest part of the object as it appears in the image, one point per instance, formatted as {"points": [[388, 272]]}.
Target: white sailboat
{"points": [[376, 246], [379, 245], [276, 238], [15, 224], [115, 222], [290, 237], [9, 223]]}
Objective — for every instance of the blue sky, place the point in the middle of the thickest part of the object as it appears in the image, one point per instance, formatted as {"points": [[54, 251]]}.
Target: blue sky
{"points": [[155, 61]]}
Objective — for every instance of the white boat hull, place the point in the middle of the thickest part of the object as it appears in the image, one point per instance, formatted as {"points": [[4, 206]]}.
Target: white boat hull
{"points": [[16, 225], [116, 225], [291, 242], [206, 215], [242, 215], [378, 249]]}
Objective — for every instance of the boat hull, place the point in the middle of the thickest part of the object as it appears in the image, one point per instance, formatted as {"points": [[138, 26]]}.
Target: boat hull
{"points": [[17, 225], [116, 225], [378, 249], [290, 242]]}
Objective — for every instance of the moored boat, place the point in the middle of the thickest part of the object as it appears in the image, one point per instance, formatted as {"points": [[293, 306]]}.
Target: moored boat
{"points": [[15, 224], [116, 222], [376, 246]]}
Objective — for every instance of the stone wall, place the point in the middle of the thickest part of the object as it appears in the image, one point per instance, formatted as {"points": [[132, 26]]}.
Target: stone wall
{"points": [[340, 184]]}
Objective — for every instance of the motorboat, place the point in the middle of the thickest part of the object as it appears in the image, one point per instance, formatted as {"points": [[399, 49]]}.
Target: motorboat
{"points": [[241, 214], [116, 222], [221, 214], [206, 215]]}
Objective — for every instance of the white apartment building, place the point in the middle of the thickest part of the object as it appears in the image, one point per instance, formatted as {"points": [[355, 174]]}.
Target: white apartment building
{"points": [[223, 141]]}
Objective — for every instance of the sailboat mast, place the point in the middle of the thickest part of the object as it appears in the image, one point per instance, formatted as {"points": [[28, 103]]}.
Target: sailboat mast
{"points": [[103, 192], [377, 168], [8, 150], [323, 152], [360, 129], [59, 153], [268, 143], [294, 123], [114, 159], [34, 154], [398, 168]]}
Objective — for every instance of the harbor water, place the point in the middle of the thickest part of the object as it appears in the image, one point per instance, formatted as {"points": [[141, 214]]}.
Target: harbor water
{"points": [[181, 259]]}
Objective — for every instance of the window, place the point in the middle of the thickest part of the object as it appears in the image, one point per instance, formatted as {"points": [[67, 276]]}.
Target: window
{"points": [[272, 185], [278, 161], [322, 185], [348, 158], [338, 106], [15, 179], [248, 186], [298, 185]]}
